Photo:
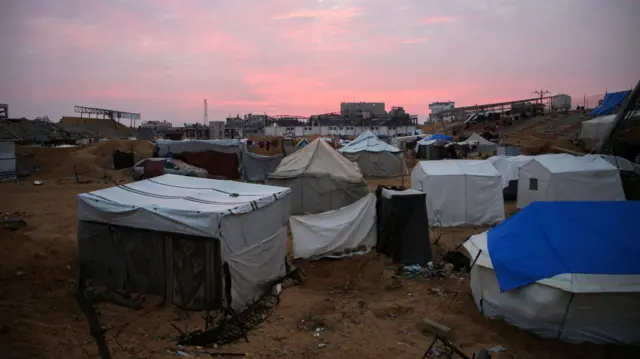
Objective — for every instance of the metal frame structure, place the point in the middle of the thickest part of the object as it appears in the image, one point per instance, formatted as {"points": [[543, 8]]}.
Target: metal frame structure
{"points": [[107, 113], [489, 106], [4, 111]]}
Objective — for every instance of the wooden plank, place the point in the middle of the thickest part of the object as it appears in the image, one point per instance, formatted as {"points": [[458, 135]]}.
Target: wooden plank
{"points": [[435, 328]]}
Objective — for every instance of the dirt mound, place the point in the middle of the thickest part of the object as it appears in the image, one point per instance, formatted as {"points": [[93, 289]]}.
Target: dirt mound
{"points": [[90, 163]]}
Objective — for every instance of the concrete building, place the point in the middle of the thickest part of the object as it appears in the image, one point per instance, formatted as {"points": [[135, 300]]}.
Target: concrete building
{"points": [[328, 130], [156, 125], [216, 130], [437, 107], [363, 109]]}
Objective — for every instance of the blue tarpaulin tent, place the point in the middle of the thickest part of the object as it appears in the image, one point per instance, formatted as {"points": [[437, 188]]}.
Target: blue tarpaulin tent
{"points": [[610, 103], [438, 136], [550, 238]]}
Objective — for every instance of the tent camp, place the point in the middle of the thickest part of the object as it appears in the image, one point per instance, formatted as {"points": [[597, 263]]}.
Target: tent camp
{"points": [[611, 103], [563, 177], [375, 157], [190, 239], [403, 226], [555, 271], [509, 168], [460, 192], [484, 145], [320, 178], [256, 167], [335, 232]]}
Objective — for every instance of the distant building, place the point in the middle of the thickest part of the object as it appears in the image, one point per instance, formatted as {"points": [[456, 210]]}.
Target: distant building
{"points": [[216, 130], [157, 125], [363, 109], [437, 107]]}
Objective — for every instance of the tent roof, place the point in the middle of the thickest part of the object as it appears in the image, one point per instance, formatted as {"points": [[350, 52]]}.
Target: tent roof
{"points": [[459, 167], [565, 163], [481, 140], [368, 142], [574, 246], [620, 163], [601, 119], [175, 203], [318, 158], [433, 137]]}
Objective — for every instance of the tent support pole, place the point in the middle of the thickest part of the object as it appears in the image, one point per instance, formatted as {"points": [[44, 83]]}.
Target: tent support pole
{"points": [[564, 317]]}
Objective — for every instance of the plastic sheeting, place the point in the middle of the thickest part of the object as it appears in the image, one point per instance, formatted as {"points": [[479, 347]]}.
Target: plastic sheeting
{"points": [[550, 238], [509, 167], [563, 177], [596, 128], [572, 306], [256, 167], [460, 192], [7, 159], [368, 142], [318, 158], [611, 102], [484, 145], [248, 220], [347, 228]]}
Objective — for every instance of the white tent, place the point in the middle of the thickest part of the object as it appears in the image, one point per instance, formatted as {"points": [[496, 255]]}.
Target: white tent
{"points": [[569, 277], [460, 192], [621, 163], [320, 178], [7, 159], [348, 228], [174, 235], [596, 128], [375, 157], [563, 177], [509, 167], [484, 145]]}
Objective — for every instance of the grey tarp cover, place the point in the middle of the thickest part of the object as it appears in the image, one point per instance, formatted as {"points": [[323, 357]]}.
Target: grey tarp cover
{"points": [[484, 145], [375, 157], [256, 167], [224, 146], [196, 223], [320, 178]]}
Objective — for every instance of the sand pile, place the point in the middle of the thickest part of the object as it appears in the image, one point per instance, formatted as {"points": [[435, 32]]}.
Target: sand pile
{"points": [[90, 163]]}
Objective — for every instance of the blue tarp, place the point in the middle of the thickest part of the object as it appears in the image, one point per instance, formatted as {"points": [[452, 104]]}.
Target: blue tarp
{"points": [[550, 238], [438, 136], [610, 102]]}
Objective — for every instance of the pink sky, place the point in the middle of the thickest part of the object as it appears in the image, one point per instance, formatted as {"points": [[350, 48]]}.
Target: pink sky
{"points": [[299, 57]]}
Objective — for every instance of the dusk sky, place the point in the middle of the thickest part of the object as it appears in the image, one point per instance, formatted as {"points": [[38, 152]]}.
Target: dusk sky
{"points": [[300, 57]]}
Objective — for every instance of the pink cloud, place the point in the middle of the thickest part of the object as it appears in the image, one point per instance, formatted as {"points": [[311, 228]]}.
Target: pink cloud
{"points": [[326, 14], [416, 40], [438, 20]]}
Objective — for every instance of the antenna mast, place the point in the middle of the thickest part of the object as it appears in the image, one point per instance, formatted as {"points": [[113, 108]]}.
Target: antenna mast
{"points": [[206, 115]]}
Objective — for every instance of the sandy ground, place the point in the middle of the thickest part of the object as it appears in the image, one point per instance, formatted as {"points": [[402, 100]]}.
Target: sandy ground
{"points": [[352, 299]]}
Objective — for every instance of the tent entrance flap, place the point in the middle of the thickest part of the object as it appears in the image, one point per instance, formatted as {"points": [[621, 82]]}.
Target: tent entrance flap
{"points": [[186, 269]]}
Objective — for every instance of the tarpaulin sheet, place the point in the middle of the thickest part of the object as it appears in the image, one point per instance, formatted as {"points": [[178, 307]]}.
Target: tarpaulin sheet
{"points": [[216, 163], [546, 239], [610, 102]]}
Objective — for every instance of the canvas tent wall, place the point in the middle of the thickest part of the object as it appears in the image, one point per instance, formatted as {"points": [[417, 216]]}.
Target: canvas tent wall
{"points": [[190, 239], [460, 192], [320, 178], [563, 177], [509, 168], [562, 276], [374, 157], [596, 128], [611, 103], [256, 167], [7, 160], [403, 225], [336, 232], [484, 146]]}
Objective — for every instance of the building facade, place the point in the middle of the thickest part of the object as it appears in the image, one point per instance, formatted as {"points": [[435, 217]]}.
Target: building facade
{"points": [[347, 131], [362, 109], [437, 107], [216, 130]]}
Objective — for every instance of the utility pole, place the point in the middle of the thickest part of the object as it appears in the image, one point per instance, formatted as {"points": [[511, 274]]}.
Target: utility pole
{"points": [[541, 93], [206, 116]]}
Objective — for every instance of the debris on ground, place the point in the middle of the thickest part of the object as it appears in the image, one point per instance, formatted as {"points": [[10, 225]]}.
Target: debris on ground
{"points": [[12, 221]]}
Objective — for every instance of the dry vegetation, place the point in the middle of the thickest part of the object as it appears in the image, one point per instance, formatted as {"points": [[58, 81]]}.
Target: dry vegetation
{"points": [[365, 312]]}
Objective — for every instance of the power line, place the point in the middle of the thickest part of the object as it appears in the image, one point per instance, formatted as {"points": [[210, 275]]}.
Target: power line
{"points": [[541, 93]]}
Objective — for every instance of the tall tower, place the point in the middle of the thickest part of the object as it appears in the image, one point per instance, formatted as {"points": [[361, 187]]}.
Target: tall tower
{"points": [[206, 115]]}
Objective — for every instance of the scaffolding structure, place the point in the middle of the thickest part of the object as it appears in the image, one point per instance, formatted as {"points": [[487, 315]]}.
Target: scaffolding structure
{"points": [[114, 115]]}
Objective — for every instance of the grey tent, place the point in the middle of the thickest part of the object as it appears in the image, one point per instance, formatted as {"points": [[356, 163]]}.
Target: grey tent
{"points": [[256, 167], [484, 145], [375, 157], [320, 179]]}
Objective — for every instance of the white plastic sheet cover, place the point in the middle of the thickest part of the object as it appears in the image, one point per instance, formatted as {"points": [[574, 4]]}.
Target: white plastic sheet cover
{"points": [[346, 228], [460, 192], [176, 204], [563, 177], [368, 142], [7, 159], [621, 163], [318, 158], [595, 128], [509, 167]]}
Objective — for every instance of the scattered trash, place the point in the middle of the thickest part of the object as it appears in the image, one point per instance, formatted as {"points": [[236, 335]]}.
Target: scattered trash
{"points": [[497, 349], [181, 353], [322, 345], [37, 183], [12, 221]]}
